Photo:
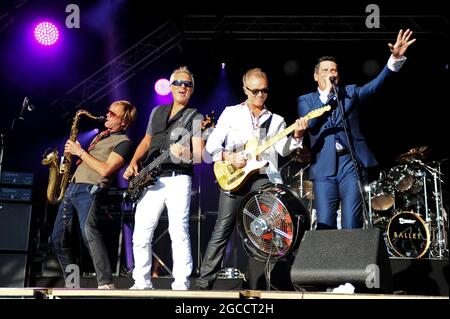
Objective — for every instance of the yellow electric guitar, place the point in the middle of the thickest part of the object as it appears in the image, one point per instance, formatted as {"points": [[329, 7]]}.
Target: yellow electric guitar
{"points": [[231, 178]]}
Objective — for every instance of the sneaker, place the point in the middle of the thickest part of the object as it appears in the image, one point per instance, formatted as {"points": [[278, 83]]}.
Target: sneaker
{"points": [[106, 286]]}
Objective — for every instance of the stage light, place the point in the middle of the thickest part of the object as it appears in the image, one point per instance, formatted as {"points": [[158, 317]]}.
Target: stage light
{"points": [[162, 87], [46, 33], [223, 65]]}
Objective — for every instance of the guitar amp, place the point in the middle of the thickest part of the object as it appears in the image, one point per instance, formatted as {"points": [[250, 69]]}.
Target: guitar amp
{"points": [[15, 194], [17, 178]]}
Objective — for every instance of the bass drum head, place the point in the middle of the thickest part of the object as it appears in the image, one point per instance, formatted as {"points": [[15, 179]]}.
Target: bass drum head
{"points": [[408, 235], [271, 222]]}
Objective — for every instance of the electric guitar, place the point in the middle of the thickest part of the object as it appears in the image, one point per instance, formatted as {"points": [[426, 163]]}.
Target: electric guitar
{"points": [[149, 174], [231, 178]]}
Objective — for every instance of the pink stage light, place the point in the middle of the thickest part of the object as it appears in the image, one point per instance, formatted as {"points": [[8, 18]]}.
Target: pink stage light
{"points": [[46, 33], [162, 87]]}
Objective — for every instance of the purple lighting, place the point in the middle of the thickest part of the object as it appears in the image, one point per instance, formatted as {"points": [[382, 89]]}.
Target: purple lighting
{"points": [[46, 33], [162, 87]]}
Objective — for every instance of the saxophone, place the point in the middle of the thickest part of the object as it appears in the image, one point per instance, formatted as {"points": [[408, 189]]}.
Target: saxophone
{"points": [[58, 178]]}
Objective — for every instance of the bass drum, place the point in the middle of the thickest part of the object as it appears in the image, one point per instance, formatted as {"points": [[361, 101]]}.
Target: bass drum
{"points": [[271, 222], [408, 235]]}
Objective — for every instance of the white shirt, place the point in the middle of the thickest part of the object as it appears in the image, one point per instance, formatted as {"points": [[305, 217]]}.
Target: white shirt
{"points": [[236, 126]]}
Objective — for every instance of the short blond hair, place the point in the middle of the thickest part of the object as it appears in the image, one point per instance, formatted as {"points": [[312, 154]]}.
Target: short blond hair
{"points": [[256, 72], [130, 112], [185, 70]]}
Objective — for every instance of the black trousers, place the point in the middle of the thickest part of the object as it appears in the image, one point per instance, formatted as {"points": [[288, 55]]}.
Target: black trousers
{"points": [[225, 223]]}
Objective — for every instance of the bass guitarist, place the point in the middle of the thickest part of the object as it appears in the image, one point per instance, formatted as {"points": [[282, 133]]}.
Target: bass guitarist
{"points": [[172, 189], [237, 125]]}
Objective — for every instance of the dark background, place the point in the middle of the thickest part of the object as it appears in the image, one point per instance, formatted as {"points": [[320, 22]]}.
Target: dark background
{"points": [[409, 112]]}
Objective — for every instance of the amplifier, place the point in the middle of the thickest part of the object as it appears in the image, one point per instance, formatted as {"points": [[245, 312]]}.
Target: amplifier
{"points": [[15, 194], [17, 178]]}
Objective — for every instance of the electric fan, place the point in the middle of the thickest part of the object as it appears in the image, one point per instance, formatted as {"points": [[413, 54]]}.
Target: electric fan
{"points": [[271, 222]]}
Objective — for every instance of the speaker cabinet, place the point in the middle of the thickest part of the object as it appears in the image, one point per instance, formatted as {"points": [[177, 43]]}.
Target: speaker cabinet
{"points": [[329, 258], [13, 270], [14, 226]]}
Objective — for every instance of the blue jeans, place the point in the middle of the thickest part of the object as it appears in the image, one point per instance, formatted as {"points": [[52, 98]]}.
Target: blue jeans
{"points": [[82, 199]]}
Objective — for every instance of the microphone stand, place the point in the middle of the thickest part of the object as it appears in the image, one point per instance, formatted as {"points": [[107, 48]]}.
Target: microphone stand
{"points": [[3, 136], [367, 220], [2, 148]]}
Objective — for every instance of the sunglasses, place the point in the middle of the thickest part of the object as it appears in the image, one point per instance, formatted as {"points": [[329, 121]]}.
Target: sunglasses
{"points": [[255, 92], [187, 84], [112, 114]]}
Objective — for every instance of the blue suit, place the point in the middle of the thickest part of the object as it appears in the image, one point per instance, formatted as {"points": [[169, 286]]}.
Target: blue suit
{"points": [[334, 175]]}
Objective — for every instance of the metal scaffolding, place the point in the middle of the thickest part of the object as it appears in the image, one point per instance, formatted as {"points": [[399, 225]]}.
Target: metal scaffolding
{"points": [[119, 70], [210, 27], [310, 28]]}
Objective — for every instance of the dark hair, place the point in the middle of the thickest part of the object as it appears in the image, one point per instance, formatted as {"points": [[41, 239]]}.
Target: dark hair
{"points": [[325, 58]]}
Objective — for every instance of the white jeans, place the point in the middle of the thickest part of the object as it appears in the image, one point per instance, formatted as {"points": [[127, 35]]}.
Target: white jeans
{"points": [[174, 193]]}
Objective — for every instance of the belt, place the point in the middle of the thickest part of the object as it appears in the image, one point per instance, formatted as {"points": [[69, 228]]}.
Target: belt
{"points": [[342, 152], [170, 173]]}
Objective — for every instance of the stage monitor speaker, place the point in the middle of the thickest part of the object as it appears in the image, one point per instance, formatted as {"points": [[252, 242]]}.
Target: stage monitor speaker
{"points": [[329, 258], [13, 270], [14, 226]]}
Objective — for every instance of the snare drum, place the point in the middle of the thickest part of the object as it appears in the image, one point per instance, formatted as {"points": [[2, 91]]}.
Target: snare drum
{"points": [[408, 235]]}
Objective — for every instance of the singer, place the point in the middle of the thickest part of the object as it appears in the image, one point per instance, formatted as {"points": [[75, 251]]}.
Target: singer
{"points": [[340, 153], [97, 168]]}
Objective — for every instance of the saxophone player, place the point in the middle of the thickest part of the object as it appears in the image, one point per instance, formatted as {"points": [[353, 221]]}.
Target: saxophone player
{"points": [[97, 167]]}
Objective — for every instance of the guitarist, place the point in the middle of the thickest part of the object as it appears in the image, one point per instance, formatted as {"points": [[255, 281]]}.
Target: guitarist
{"points": [[173, 186], [236, 125], [332, 169]]}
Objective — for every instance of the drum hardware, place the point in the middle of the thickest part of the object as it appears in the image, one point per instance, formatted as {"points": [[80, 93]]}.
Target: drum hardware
{"points": [[441, 247], [304, 187]]}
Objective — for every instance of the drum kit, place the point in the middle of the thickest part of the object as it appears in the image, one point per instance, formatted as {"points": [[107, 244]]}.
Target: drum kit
{"points": [[407, 204]]}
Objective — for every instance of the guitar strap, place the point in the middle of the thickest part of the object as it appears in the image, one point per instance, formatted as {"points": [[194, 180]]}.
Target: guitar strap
{"points": [[264, 129], [183, 121]]}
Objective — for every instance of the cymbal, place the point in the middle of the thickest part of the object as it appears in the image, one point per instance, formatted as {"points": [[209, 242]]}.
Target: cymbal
{"points": [[420, 152], [302, 156]]}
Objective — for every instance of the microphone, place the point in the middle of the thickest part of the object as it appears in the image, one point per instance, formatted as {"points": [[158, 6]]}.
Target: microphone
{"points": [[332, 79], [101, 118], [26, 105]]}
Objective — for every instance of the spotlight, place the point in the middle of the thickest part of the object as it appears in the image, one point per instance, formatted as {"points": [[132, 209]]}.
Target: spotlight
{"points": [[162, 87], [46, 33], [223, 65]]}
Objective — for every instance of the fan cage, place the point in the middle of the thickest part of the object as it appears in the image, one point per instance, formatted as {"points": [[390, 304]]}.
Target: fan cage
{"points": [[278, 241]]}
